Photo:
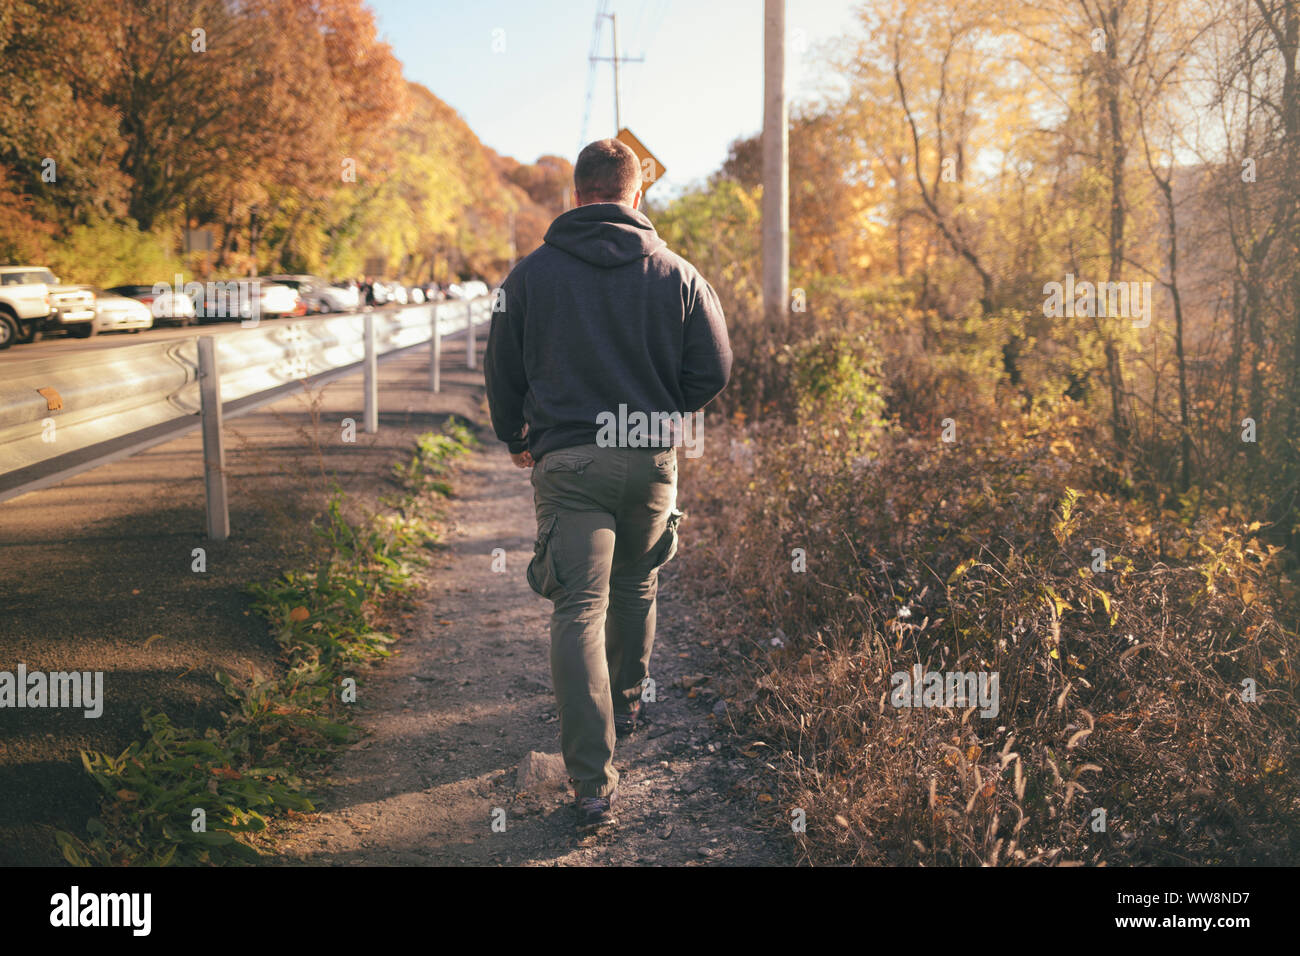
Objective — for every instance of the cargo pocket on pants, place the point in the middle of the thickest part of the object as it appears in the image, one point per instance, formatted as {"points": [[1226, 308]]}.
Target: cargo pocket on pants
{"points": [[666, 550], [541, 569]]}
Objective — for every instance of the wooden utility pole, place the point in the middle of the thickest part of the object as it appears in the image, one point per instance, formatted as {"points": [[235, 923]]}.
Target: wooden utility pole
{"points": [[616, 60], [776, 172]]}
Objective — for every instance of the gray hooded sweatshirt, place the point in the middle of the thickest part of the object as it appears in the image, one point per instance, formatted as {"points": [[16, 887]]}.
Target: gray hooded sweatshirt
{"points": [[600, 315]]}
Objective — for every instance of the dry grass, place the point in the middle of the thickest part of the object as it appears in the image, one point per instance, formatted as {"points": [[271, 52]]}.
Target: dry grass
{"points": [[1119, 691]]}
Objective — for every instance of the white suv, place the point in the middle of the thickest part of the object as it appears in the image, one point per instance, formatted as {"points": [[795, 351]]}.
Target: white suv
{"points": [[33, 301]]}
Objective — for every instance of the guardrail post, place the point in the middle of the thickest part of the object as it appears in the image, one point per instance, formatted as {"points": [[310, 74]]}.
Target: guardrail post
{"points": [[371, 378], [214, 452], [435, 352], [471, 344]]}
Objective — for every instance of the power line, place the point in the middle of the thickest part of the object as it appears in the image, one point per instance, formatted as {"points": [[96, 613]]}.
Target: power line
{"points": [[661, 13], [637, 41], [640, 26], [651, 16]]}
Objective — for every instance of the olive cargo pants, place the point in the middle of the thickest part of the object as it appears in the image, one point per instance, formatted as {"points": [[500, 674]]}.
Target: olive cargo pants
{"points": [[606, 522]]}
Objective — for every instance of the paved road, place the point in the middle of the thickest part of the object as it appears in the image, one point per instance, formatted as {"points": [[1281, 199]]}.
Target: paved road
{"points": [[60, 344]]}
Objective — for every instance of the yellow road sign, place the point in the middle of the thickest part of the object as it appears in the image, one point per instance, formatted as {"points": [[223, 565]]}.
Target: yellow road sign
{"points": [[651, 168]]}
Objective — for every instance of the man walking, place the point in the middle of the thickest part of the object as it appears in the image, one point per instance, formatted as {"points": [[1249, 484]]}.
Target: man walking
{"points": [[601, 321]]}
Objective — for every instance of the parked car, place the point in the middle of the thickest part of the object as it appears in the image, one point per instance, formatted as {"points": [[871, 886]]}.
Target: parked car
{"points": [[120, 313], [221, 299], [164, 304], [382, 293], [33, 301], [277, 299], [467, 290], [400, 295], [346, 297], [24, 303], [318, 295], [349, 294], [416, 294], [234, 299]]}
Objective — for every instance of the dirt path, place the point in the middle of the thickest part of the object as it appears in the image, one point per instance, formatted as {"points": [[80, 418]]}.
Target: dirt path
{"points": [[449, 719]]}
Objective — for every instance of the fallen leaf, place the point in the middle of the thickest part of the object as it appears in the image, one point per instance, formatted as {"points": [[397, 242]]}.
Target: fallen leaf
{"points": [[299, 613]]}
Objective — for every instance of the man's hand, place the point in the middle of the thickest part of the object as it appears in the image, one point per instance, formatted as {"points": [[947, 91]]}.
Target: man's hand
{"points": [[525, 458]]}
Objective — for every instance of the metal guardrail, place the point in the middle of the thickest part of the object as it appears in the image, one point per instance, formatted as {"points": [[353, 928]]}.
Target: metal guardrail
{"points": [[60, 416]]}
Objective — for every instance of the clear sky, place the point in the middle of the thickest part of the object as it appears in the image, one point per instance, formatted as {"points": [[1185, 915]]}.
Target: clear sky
{"points": [[517, 71]]}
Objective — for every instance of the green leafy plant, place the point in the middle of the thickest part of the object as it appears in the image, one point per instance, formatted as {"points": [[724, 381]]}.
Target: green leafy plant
{"points": [[181, 796]]}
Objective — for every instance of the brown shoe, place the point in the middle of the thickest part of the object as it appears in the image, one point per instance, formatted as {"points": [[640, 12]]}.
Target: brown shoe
{"points": [[626, 723], [595, 812]]}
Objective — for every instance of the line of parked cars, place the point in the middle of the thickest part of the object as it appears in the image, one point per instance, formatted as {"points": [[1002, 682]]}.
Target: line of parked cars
{"points": [[381, 292], [33, 302]]}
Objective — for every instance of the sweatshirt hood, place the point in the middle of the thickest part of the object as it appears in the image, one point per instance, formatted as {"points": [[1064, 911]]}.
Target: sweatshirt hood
{"points": [[604, 234]]}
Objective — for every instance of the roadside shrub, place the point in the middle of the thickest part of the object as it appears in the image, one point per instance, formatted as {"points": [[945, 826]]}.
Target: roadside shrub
{"points": [[109, 253], [836, 378]]}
